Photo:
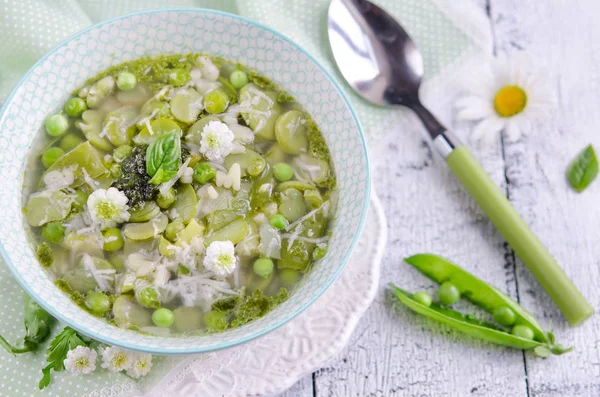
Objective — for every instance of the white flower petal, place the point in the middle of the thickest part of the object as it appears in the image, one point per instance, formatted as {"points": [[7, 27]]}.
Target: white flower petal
{"points": [[116, 359], [142, 364], [512, 131], [113, 198], [220, 258], [473, 108], [487, 129], [217, 141], [81, 360]]}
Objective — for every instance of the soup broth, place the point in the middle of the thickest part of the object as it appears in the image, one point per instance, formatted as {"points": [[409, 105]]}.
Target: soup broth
{"points": [[180, 194]]}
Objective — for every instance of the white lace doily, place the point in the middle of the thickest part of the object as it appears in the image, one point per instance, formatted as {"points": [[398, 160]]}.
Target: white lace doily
{"points": [[273, 363]]}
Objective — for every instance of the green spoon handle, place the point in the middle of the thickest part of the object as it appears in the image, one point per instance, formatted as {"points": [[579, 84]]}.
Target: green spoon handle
{"points": [[515, 231]]}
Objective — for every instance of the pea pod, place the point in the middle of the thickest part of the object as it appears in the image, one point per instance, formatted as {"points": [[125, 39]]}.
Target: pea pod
{"points": [[469, 325], [37, 327], [472, 288]]}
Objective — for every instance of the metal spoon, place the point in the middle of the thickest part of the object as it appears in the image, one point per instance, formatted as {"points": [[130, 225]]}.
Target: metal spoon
{"points": [[383, 65]]}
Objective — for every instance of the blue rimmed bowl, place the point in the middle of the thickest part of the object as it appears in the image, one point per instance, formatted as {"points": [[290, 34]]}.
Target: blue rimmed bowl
{"points": [[48, 84]]}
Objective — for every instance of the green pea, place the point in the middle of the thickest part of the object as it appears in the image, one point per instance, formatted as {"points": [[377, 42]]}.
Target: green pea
{"points": [[112, 239], [97, 302], [215, 102], [166, 199], [163, 318], [115, 171], [126, 81], [80, 199], [148, 297], [215, 321], [278, 221], [75, 106], [54, 232], [179, 77], [283, 172], [51, 155], [522, 331], [505, 315], [122, 152], [70, 141], [263, 267], [56, 125], [289, 276], [173, 229], [422, 297], [448, 294], [320, 252], [204, 172], [238, 78]]}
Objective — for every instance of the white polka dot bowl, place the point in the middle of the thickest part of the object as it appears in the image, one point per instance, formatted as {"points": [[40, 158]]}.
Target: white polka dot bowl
{"points": [[48, 83]]}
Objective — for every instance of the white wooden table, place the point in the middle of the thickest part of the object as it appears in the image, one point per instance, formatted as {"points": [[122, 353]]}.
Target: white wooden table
{"points": [[402, 354]]}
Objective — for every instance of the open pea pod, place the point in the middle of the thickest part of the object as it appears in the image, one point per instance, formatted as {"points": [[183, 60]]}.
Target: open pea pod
{"points": [[469, 325], [474, 289]]}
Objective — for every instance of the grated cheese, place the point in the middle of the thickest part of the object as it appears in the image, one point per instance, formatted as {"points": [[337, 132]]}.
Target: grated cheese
{"points": [[88, 179], [164, 187], [102, 276], [58, 179]]}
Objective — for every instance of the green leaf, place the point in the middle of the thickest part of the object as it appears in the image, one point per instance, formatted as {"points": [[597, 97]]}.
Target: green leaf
{"points": [[163, 157], [162, 176], [45, 381], [583, 169]]}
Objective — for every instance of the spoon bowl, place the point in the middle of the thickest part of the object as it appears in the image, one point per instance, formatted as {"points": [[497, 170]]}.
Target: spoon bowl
{"points": [[378, 58]]}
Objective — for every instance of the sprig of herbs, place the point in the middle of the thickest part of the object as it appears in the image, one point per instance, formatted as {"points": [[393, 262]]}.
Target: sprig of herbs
{"points": [[583, 169], [67, 340]]}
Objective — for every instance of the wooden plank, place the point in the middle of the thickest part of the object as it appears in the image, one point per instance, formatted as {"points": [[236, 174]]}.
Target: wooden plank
{"points": [[563, 36], [397, 354], [303, 388]]}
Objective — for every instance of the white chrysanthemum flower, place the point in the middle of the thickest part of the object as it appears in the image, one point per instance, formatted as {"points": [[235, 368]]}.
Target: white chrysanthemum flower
{"points": [[220, 258], [81, 360], [217, 141], [505, 95], [141, 365], [116, 359], [108, 207]]}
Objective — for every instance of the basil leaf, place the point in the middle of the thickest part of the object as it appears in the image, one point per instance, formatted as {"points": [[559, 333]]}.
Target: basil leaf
{"points": [[583, 169], [163, 157]]}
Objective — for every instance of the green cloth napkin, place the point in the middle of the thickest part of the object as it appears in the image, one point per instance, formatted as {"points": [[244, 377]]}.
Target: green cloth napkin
{"points": [[30, 28]]}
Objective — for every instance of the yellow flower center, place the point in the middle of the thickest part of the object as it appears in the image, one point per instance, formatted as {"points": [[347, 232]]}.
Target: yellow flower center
{"points": [[119, 360], [510, 100], [107, 210], [212, 140], [224, 259], [82, 362]]}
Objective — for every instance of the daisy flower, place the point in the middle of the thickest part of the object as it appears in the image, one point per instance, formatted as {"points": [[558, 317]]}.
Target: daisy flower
{"points": [[141, 365], [108, 207], [116, 359], [220, 258], [81, 360], [217, 141], [505, 95]]}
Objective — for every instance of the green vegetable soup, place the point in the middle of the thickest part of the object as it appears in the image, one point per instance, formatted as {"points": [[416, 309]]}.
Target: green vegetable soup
{"points": [[180, 194]]}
